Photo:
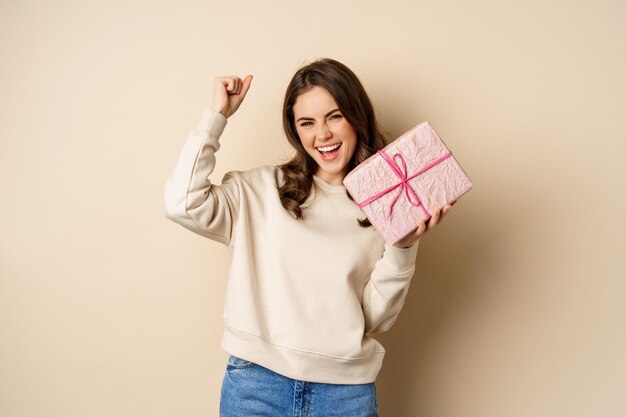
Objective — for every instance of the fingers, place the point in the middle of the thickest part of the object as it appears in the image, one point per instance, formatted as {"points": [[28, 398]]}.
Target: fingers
{"points": [[233, 84], [240, 87], [426, 225], [231, 87], [421, 227], [435, 219], [446, 209], [229, 92], [432, 222]]}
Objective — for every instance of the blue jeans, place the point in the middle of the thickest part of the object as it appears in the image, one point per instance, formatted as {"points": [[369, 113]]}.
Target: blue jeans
{"points": [[251, 390]]}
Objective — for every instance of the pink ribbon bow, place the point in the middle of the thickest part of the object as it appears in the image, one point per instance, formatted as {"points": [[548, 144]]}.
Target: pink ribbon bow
{"points": [[401, 172]]}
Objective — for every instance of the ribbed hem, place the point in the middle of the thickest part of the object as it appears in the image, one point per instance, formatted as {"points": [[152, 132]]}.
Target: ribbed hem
{"points": [[402, 258], [212, 123], [301, 365]]}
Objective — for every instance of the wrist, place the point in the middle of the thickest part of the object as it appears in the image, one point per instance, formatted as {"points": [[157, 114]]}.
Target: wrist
{"points": [[221, 111], [402, 258], [405, 246]]}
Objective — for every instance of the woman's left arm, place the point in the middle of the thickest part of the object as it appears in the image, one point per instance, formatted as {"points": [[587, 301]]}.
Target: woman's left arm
{"points": [[386, 290]]}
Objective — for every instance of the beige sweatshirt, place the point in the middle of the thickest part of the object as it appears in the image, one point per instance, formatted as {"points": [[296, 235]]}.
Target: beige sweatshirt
{"points": [[304, 297]]}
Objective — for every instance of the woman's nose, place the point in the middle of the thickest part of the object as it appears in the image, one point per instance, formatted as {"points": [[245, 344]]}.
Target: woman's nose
{"points": [[323, 131]]}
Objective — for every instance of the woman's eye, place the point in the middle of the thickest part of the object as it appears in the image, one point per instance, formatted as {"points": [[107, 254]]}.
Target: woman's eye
{"points": [[336, 114], [305, 124]]}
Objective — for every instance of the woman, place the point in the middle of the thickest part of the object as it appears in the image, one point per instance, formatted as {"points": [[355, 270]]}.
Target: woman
{"points": [[311, 280]]}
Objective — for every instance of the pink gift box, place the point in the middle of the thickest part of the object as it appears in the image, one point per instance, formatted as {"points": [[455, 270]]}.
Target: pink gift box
{"points": [[406, 181]]}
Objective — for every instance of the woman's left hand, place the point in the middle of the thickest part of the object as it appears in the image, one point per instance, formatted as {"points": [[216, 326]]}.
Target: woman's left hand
{"points": [[424, 226]]}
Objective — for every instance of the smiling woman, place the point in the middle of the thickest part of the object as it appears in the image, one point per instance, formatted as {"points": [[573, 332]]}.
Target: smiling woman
{"points": [[299, 331], [326, 136], [325, 104]]}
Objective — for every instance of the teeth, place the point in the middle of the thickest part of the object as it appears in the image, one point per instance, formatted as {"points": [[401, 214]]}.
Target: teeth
{"points": [[329, 148]]}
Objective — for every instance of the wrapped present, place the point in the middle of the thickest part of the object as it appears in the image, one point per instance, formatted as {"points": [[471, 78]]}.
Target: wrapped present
{"points": [[406, 181]]}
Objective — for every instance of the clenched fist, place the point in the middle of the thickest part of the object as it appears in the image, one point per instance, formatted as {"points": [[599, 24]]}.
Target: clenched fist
{"points": [[228, 93]]}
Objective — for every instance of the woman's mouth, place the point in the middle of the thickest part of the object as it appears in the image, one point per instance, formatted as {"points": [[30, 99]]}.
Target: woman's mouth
{"points": [[330, 152]]}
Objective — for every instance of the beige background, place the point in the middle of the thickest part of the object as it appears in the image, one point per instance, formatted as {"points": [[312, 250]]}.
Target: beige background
{"points": [[517, 306]]}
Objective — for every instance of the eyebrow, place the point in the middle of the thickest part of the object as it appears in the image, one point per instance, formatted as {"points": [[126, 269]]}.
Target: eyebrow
{"points": [[310, 118]]}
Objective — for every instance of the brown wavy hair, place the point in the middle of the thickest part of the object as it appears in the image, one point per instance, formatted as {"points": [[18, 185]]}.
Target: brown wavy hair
{"points": [[354, 104]]}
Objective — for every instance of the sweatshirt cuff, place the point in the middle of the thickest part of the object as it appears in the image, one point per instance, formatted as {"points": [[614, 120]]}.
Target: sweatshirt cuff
{"points": [[402, 258], [212, 123]]}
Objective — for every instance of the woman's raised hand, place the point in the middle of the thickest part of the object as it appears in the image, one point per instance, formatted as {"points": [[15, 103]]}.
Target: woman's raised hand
{"points": [[424, 226], [228, 93]]}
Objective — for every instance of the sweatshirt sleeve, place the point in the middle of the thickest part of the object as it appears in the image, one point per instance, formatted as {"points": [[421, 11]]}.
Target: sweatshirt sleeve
{"points": [[386, 290], [191, 200]]}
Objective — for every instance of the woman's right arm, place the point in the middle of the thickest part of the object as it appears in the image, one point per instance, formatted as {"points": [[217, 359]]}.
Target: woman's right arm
{"points": [[191, 200]]}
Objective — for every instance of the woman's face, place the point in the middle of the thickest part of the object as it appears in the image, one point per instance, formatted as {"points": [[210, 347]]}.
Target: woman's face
{"points": [[325, 133]]}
